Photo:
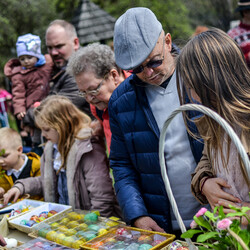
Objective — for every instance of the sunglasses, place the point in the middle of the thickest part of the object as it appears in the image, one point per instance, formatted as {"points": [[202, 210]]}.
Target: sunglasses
{"points": [[151, 64]]}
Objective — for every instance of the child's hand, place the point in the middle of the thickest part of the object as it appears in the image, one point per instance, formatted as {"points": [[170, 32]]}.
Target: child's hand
{"points": [[14, 193], [2, 241], [21, 115], [2, 191]]}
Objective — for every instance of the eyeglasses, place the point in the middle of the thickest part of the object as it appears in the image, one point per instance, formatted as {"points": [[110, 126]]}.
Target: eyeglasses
{"points": [[151, 64], [93, 92]]}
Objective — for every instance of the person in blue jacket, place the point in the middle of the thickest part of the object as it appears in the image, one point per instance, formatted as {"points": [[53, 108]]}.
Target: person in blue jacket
{"points": [[138, 109]]}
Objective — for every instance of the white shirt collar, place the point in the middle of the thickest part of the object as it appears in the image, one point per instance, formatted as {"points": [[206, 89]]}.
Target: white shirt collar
{"points": [[19, 171]]}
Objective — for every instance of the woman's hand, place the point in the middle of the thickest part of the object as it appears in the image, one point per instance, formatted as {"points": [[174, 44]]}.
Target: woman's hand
{"points": [[213, 191], [227, 209]]}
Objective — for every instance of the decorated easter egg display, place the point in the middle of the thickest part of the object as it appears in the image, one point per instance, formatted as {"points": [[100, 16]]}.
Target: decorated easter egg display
{"points": [[126, 238]]}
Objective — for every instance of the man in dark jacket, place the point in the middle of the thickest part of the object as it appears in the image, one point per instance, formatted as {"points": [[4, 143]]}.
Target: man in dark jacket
{"points": [[138, 109], [62, 42]]}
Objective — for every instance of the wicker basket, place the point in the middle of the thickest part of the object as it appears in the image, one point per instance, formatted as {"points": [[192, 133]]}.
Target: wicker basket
{"points": [[170, 238], [63, 209], [228, 130]]}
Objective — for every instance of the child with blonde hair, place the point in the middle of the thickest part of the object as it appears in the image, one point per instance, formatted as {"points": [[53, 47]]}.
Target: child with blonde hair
{"points": [[74, 167], [15, 165]]}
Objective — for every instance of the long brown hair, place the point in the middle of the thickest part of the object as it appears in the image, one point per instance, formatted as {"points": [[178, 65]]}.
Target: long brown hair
{"points": [[213, 65], [61, 114]]}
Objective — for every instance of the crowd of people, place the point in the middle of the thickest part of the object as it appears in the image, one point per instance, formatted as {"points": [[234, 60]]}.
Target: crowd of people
{"points": [[97, 109]]}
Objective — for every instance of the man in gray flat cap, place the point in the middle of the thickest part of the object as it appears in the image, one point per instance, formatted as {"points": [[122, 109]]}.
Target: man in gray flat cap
{"points": [[138, 109]]}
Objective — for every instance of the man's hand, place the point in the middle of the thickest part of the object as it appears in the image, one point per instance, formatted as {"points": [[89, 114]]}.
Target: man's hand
{"points": [[2, 191], [212, 189], [14, 193], [21, 115], [147, 223]]}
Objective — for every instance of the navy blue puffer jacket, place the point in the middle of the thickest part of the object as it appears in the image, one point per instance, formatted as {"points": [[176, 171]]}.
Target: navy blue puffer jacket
{"points": [[134, 155]]}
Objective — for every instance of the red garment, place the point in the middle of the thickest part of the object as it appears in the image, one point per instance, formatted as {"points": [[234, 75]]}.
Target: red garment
{"points": [[241, 34], [105, 117], [28, 85], [105, 123], [4, 96]]}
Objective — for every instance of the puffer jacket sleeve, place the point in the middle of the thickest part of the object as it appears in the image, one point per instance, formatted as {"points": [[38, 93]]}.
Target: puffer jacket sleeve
{"points": [[98, 182], [126, 178], [32, 185], [19, 94], [203, 169]]}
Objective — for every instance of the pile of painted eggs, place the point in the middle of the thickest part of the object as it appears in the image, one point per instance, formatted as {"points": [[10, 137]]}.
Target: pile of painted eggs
{"points": [[123, 238], [19, 210], [34, 219], [41, 244], [75, 229]]}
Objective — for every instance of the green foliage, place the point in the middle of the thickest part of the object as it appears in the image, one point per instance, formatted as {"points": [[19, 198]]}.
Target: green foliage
{"points": [[218, 230], [173, 14]]}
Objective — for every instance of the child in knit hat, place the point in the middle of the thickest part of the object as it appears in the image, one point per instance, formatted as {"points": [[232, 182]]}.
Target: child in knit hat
{"points": [[29, 74]]}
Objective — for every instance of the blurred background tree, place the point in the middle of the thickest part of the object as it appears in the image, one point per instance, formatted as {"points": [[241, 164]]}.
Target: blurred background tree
{"points": [[179, 17]]}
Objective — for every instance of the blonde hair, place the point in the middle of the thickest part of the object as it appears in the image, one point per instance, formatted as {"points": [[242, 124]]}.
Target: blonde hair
{"points": [[9, 136], [213, 65], [59, 113]]}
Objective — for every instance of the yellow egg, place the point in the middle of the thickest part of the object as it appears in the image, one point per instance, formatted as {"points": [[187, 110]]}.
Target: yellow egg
{"points": [[102, 231], [62, 228], [54, 225], [72, 224], [59, 238], [78, 243], [68, 241], [74, 216], [111, 223], [51, 235], [70, 232], [65, 221]]}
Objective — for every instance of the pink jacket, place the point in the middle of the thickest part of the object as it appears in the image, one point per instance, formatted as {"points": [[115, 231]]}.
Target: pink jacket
{"points": [[28, 85]]}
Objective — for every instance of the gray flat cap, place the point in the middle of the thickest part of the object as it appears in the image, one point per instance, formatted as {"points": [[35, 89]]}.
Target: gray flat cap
{"points": [[135, 36]]}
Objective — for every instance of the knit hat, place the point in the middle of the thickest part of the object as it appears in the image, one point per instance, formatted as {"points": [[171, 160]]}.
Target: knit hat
{"points": [[28, 45], [243, 5], [135, 36]]}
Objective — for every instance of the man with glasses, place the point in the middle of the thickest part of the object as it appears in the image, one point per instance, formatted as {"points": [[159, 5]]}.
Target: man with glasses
{"points": [[138, 109], [97, 76]]}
